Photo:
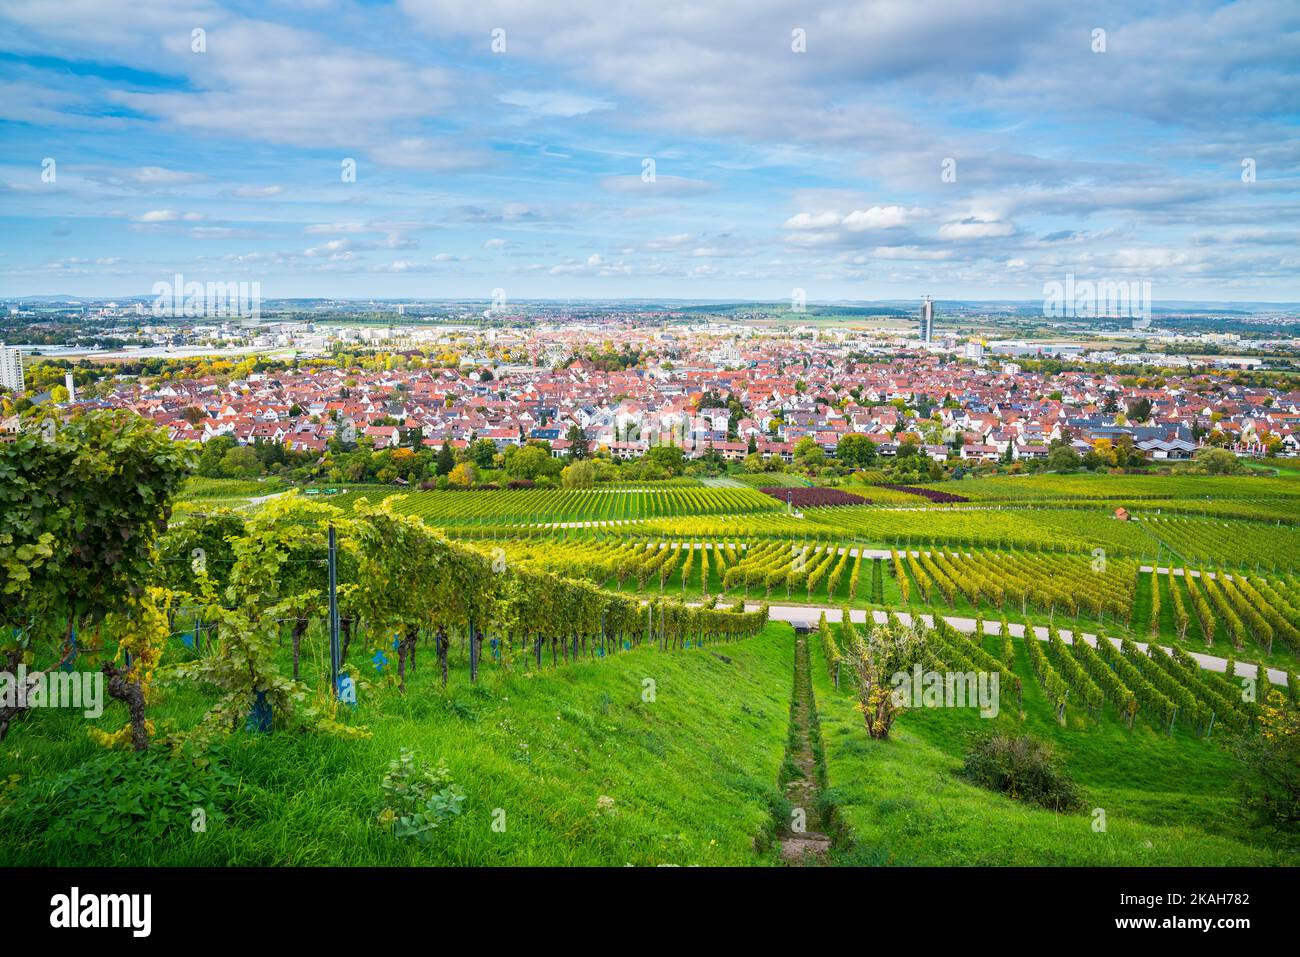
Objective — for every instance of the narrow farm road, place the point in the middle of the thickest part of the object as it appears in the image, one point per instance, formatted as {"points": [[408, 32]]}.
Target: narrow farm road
{"points": [[809, 614], [802, 840]]}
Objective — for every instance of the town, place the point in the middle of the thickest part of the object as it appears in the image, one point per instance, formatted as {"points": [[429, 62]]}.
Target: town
{"points": [[759, 397]]}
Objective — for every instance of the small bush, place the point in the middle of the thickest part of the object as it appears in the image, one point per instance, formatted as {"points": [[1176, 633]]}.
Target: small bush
{"points": [[1022, 767], [418, 798]]}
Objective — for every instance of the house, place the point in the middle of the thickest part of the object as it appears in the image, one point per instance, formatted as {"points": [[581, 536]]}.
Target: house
{"points": [[384, 436], [1171, 450], [980, 452]]}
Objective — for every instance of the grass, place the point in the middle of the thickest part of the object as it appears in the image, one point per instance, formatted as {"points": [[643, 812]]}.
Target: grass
{"points": [[692, 774], [1167, 799]]}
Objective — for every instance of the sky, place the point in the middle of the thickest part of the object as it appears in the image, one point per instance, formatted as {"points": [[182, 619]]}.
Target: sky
{"points": [[731, 149]]}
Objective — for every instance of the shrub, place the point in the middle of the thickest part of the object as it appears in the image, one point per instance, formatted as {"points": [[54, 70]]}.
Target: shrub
{"points": [[418, 798], [1022, 767], [1270, 789]]}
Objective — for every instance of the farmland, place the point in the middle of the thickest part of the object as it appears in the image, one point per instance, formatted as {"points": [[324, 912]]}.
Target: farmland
{"points": [[611, 668], [527, 506]]}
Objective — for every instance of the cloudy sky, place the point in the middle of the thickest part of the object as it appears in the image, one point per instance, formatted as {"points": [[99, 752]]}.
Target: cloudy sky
{"points": [[855, 149]]}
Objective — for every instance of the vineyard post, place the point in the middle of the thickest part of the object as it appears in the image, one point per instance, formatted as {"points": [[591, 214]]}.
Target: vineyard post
{"points": [[473, 653], [336, 661]]}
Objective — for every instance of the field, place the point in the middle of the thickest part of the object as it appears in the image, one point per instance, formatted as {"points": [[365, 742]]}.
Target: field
{"points": [[602, 707], [902, 802], [536, 506], [584, 769]]}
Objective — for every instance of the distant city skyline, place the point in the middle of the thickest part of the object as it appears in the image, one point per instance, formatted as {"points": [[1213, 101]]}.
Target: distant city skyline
{"points": [[847, 151]]}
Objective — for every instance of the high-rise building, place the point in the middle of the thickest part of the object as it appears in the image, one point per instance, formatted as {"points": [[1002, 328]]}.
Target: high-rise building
{"points": [[70, 384], [927, 320], [11, 368]]}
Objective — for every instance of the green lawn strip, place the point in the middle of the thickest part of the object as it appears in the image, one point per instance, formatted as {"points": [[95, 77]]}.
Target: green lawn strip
{"points": [[692, 775]]}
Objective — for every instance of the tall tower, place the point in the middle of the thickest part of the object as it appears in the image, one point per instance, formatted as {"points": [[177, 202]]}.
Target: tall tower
{"points": [[11, 368], [927, 320]]}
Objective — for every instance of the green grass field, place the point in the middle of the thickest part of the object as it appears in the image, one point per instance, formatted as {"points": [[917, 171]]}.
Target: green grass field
{"points": [[692, 775]]}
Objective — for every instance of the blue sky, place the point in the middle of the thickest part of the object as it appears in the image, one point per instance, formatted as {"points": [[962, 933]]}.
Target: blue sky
{"points": [[523, 169]]}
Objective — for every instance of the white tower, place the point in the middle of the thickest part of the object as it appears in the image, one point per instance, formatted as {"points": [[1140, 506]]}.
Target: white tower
{"points": [[927, 320], [11, 368]]}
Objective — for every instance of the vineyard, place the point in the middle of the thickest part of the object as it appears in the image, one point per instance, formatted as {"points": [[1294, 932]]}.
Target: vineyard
{"points": [[1189, 489], [1123, 716], [615, 655], [812, 497], [536, 506]]}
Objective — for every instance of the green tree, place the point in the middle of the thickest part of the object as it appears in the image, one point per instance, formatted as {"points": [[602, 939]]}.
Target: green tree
{"points": [[1218, 461], [483, 453], [808, 454], [577, 439], [446, 459], [240, 462], [581, 474], [670, 458], [209, 464], [1062, 458], [530, 462]]}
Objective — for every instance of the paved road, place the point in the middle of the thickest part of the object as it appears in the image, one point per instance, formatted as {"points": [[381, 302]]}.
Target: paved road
{"points": [[809, 615]]}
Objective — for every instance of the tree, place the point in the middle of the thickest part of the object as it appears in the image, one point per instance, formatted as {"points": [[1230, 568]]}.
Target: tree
{"points": [[1139, 410], [1104, 450], [578, 448], [209, 465], [580, 474], [483, 452], [1062, 458], [446, 459], [671, 458], [856, 450], [1271, 758], [463, 475], [1218, 461], [240, 462], [530, 462], [808, 453]]}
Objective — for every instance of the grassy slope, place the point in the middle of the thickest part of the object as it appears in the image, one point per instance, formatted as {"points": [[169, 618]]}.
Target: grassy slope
{"points": [[1168, 800], [697, 766]]}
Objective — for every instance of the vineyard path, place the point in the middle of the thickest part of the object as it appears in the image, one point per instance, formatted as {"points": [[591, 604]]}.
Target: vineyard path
{"points": [[809, 614]]}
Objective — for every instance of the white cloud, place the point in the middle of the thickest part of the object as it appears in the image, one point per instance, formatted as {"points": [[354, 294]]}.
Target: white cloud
{"points": [[167, 216], [435, 156], [257, 192], [660, 186], [554, 102], [975, 229]]}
